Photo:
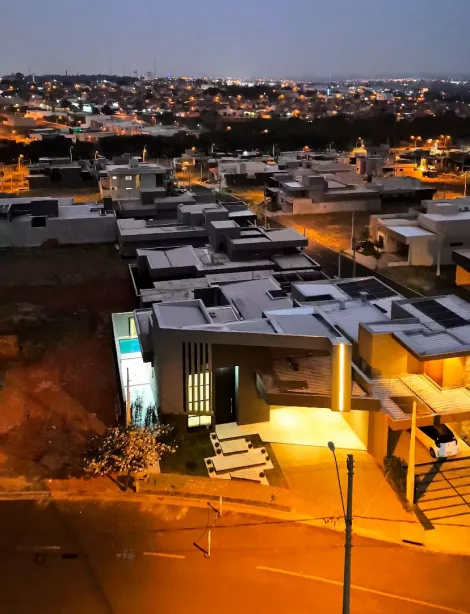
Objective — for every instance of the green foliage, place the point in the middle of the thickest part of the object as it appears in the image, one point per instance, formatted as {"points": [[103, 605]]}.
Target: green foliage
{"points": [[129, 449], [143, 416]]}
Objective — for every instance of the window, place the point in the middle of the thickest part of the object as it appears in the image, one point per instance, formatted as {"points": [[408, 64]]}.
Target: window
{"points": [[39, 221], [196, 383], [128, 177], [114, 177], [457, 244]]}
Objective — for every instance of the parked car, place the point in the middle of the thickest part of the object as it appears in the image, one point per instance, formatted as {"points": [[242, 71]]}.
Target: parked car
{"points": [[439, 440]]}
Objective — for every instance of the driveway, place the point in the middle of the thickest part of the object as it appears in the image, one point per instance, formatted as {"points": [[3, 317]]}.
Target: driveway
{"points": [[312, 471]]}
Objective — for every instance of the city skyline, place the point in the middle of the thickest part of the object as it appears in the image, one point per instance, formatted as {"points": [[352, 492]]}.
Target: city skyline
{"points": [[271, 39]]}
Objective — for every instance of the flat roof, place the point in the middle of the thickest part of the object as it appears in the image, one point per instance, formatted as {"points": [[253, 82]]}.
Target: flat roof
{"points": [[180, 314], [411, 231]]}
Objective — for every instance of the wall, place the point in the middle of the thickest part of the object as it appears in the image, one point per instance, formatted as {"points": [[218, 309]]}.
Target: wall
{"points": [[423, 251], [453, 373], [168, 365], [462, 277], [359, 422], [373, 205], [377, 436], [384, 355], [250, 406], [20, 233]]}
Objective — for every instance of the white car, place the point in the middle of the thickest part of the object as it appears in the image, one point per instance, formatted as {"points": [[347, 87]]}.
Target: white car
{"points": [[439, 440]]}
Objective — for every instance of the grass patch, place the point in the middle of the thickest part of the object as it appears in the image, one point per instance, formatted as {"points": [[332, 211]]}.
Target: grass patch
{"points": [[275, 476], [192, 449]]}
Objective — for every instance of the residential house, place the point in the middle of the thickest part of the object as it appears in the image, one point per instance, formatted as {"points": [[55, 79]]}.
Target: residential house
{"points": [[424, 239], [26, 222]]}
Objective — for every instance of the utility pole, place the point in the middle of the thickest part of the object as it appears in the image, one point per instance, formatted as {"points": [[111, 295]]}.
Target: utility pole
{"points": [[352, 231], [128, 400], [438, 268], [410, 474], [354, 258], [348, 542], [265, 209]]}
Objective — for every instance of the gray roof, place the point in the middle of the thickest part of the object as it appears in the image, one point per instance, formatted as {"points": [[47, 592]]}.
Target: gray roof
{"points": [[251, 298]]}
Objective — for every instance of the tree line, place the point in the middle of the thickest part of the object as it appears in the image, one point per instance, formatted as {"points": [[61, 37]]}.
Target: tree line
{"points": [[341, 132]]}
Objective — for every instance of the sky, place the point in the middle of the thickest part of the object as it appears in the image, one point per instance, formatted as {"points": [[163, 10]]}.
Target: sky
{"points": [[242, 38]]}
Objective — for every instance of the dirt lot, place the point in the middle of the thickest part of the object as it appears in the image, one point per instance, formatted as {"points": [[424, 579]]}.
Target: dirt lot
{"points": [[58, 379], [331, 229]]}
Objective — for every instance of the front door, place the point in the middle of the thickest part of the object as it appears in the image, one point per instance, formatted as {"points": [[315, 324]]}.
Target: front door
{"points": [[225, 395]]}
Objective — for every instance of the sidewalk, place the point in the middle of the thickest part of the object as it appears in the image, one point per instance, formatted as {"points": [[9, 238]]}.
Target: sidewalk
{"points": [[394, 525]]}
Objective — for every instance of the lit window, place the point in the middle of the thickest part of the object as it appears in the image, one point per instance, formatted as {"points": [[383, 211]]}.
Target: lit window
{"points": [[128, 177], [114, 177]]}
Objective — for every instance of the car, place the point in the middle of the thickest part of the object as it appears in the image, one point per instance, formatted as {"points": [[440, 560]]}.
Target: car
{"points": [[439, 440]]}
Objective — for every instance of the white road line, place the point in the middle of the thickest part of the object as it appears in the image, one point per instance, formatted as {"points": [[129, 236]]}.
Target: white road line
{"points": [[38, 548], [165, 555], [435, 606]]}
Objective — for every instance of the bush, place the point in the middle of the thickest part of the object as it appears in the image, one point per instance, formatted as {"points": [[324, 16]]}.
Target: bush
{"points": [[129, 449]]}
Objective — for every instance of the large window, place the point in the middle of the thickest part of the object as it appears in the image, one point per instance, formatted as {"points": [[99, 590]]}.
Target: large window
{"points": [[197, 383]]}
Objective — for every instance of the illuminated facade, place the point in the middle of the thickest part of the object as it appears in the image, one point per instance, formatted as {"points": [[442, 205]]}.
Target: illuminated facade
{"points": [[350, 347]]}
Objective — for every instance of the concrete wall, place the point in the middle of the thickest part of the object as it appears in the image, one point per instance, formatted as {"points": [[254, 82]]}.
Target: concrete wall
{"points": [[359, 422], [423, 251], [384, 355], [462, 277], [300, 206], [377, 436], [20, 233]]}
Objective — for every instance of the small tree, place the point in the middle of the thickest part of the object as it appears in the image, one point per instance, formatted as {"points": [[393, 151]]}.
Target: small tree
{"points": [[129, 449]]}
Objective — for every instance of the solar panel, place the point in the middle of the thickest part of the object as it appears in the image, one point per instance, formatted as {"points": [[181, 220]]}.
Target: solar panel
{"points": [[373, 288], [439, 313]]}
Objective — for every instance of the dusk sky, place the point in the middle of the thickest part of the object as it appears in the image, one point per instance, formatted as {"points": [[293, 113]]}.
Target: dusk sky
{"points": [[279, 38]]}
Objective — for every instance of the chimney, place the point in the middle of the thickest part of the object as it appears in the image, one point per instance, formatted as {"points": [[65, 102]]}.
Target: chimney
{"points": [[363, 297]]}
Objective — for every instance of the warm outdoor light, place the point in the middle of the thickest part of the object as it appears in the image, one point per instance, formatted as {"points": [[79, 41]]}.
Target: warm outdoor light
{"points": [[341, 378]]}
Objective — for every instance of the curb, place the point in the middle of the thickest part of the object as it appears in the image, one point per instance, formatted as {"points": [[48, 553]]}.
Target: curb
{"points": [[278, 512]]}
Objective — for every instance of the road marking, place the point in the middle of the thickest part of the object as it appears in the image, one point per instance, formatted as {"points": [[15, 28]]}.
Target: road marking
{"points": [[38, 547], [165, 555], [443, 608]]}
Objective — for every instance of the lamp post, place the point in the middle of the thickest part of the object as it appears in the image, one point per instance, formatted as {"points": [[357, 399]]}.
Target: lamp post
{"points": [[348, 517]]}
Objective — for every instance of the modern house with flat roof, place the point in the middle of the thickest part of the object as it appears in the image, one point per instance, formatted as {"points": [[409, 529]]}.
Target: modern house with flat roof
{"points": [[231, 256], [191, 226], [424, 239], [61, 174], [26, 222], [322, 186], [286, 360], [461, 258]]}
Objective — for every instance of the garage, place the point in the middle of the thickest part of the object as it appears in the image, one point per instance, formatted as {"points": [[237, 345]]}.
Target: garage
{"points": [[306, 426]]}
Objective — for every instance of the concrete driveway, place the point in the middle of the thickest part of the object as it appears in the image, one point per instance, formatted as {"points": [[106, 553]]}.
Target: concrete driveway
{"points": [[312, 471]]}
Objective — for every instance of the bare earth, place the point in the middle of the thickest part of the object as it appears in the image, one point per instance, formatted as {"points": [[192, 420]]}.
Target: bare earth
{"points": [[58, 379]]}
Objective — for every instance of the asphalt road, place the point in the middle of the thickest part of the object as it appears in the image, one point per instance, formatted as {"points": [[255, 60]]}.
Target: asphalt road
{"points": [[128, 557]]}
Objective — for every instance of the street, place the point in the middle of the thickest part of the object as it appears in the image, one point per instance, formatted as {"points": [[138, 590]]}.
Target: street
{"points": [[125, 556], [328, 259]]}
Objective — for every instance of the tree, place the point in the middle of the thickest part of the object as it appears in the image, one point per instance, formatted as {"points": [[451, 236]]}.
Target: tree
{"points": [[129, 449], [107, 110]]}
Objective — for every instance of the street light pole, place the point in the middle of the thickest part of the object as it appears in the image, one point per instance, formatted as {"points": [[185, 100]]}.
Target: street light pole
{"points": [[348, 542], [348, 519]]}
